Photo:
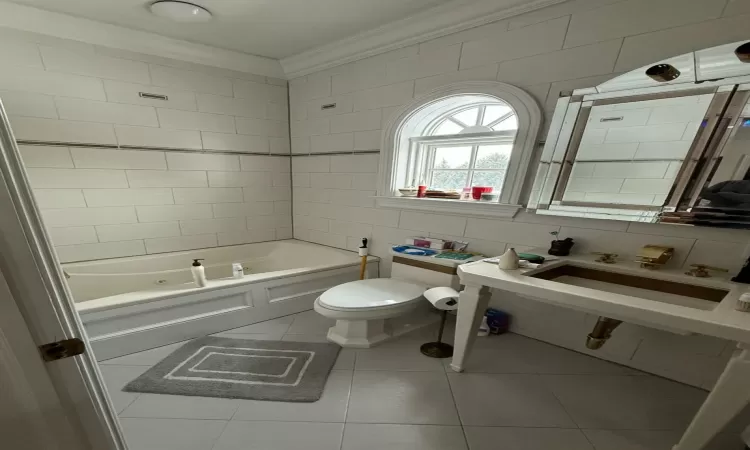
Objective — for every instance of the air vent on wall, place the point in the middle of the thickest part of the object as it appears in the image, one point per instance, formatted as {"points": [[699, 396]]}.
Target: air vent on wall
{"points": [[153, 96]]}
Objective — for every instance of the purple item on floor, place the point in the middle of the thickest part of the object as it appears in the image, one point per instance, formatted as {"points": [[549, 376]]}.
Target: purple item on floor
{"points": [[497, 320]]}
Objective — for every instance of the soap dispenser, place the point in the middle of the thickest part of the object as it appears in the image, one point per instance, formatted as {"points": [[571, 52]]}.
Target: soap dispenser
{"points": [[199, 273]]}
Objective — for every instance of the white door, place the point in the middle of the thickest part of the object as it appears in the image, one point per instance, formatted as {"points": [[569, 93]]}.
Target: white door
{"points": [[60, 404]]}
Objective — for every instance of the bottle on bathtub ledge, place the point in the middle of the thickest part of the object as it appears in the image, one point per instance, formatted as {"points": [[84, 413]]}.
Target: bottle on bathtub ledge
{"points": [[199, 273], [237, 271]]}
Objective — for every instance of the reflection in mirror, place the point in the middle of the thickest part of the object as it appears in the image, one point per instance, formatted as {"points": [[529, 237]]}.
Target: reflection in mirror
{"points": [[727, 189], [668, 142], [631, 151]]}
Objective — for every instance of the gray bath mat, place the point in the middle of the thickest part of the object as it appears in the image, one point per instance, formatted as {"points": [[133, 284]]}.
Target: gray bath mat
{"points": [[239, 368]]}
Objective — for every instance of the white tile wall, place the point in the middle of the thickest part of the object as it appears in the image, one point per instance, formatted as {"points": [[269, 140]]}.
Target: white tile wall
{"points": [[76, 178], [70, 61], [92, 111], [36, 129], [103, 250], [25, 79], [175, 244], [545, 37], [191, 81], [341, 142], [163, 178], [158, 137], [71, 217], [59, 90], [262, 127], [205, 161], [29, 104], [60, 198], [207, 195], [102, 203], [235, 142], [189, 120], [43, 156], [73, 235], [240, 179], [127, 197], [220, 104], [94, 158], [128, 232], [571, 45]]}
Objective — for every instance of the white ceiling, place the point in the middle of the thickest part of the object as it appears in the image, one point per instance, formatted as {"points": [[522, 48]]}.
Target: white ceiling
{"points": [[272, 28]]}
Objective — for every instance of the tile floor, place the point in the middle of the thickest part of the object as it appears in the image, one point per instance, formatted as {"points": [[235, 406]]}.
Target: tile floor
{"points": [[517, 394]]}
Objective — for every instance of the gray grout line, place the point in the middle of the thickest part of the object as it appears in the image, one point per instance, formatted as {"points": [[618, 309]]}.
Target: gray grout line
{"points": [[455, 405]]}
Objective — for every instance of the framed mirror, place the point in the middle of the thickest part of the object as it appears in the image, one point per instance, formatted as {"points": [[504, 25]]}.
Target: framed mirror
{"points": [[659, 144]]}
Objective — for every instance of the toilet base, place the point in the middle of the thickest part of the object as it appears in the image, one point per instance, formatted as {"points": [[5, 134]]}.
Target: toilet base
{"points": [[365, 333], [358, 333]]}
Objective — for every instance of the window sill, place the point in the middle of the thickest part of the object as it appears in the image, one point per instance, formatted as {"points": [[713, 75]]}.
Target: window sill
{"points": [[464, 208]]}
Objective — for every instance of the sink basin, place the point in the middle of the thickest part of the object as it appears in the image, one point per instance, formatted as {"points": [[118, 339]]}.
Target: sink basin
{"points": [[683, 294]]}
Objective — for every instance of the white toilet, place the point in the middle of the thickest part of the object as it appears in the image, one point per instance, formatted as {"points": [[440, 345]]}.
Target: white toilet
{"points": [[368, 312]]}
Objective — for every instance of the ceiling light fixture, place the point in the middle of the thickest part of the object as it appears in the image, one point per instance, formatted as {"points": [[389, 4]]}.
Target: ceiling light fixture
{"points": [[180, 11]]}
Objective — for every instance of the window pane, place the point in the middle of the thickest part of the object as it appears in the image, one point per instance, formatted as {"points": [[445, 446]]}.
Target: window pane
{"points": [[487, 178], [494, 112], [469, 117], [449, 179], [448, 127], [493, 156], [452, 158], [511, 123]]}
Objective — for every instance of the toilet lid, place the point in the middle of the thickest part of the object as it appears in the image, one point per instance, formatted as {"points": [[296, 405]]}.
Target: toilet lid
{"points": [[368, 294]]}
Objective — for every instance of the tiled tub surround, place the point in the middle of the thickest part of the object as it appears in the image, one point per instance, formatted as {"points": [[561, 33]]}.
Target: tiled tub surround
{"points": [[111, 202], [108, 203], [571, 45]]}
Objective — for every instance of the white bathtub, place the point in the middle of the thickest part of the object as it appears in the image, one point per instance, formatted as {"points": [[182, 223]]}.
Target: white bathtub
{"points": [[133, 304]]}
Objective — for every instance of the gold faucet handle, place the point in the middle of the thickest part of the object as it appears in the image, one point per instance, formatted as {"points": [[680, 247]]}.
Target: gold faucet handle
{"points": [[702, 270], [607, 258]]}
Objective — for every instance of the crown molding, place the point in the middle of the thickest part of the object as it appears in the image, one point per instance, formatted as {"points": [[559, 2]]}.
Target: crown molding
{"points": [[449, 18], [64, 26]]}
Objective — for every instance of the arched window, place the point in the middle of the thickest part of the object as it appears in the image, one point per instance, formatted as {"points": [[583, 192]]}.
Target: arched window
{"points": [[456, 137]]}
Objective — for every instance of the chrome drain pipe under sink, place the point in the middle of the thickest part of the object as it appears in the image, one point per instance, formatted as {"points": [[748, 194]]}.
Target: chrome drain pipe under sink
{"points": [[602, 332]]}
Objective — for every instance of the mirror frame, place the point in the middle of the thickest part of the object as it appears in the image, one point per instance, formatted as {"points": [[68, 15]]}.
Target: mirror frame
{"points": [[723, 116]]}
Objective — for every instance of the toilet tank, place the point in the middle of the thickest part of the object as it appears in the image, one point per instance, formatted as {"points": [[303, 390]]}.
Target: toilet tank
{"points": [[424, 270]]}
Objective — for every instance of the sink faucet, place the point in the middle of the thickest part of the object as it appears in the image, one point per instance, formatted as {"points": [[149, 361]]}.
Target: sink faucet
{"points": [[654, 256], [702, 270]]}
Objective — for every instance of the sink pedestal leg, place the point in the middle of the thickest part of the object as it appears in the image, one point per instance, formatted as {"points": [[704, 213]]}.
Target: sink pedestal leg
{"points": [[472, 302], [730, 395]]}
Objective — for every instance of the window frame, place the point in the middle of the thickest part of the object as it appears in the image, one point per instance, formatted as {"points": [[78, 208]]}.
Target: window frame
{"points": [[422, 152], [395, 146]]}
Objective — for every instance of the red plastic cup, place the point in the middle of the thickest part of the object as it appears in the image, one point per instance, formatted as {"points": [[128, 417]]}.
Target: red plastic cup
{"points": [[477, 191], [421, 191]]}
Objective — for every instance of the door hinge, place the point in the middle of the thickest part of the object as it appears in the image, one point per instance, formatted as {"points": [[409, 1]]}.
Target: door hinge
{"points": [[62, 349]]}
